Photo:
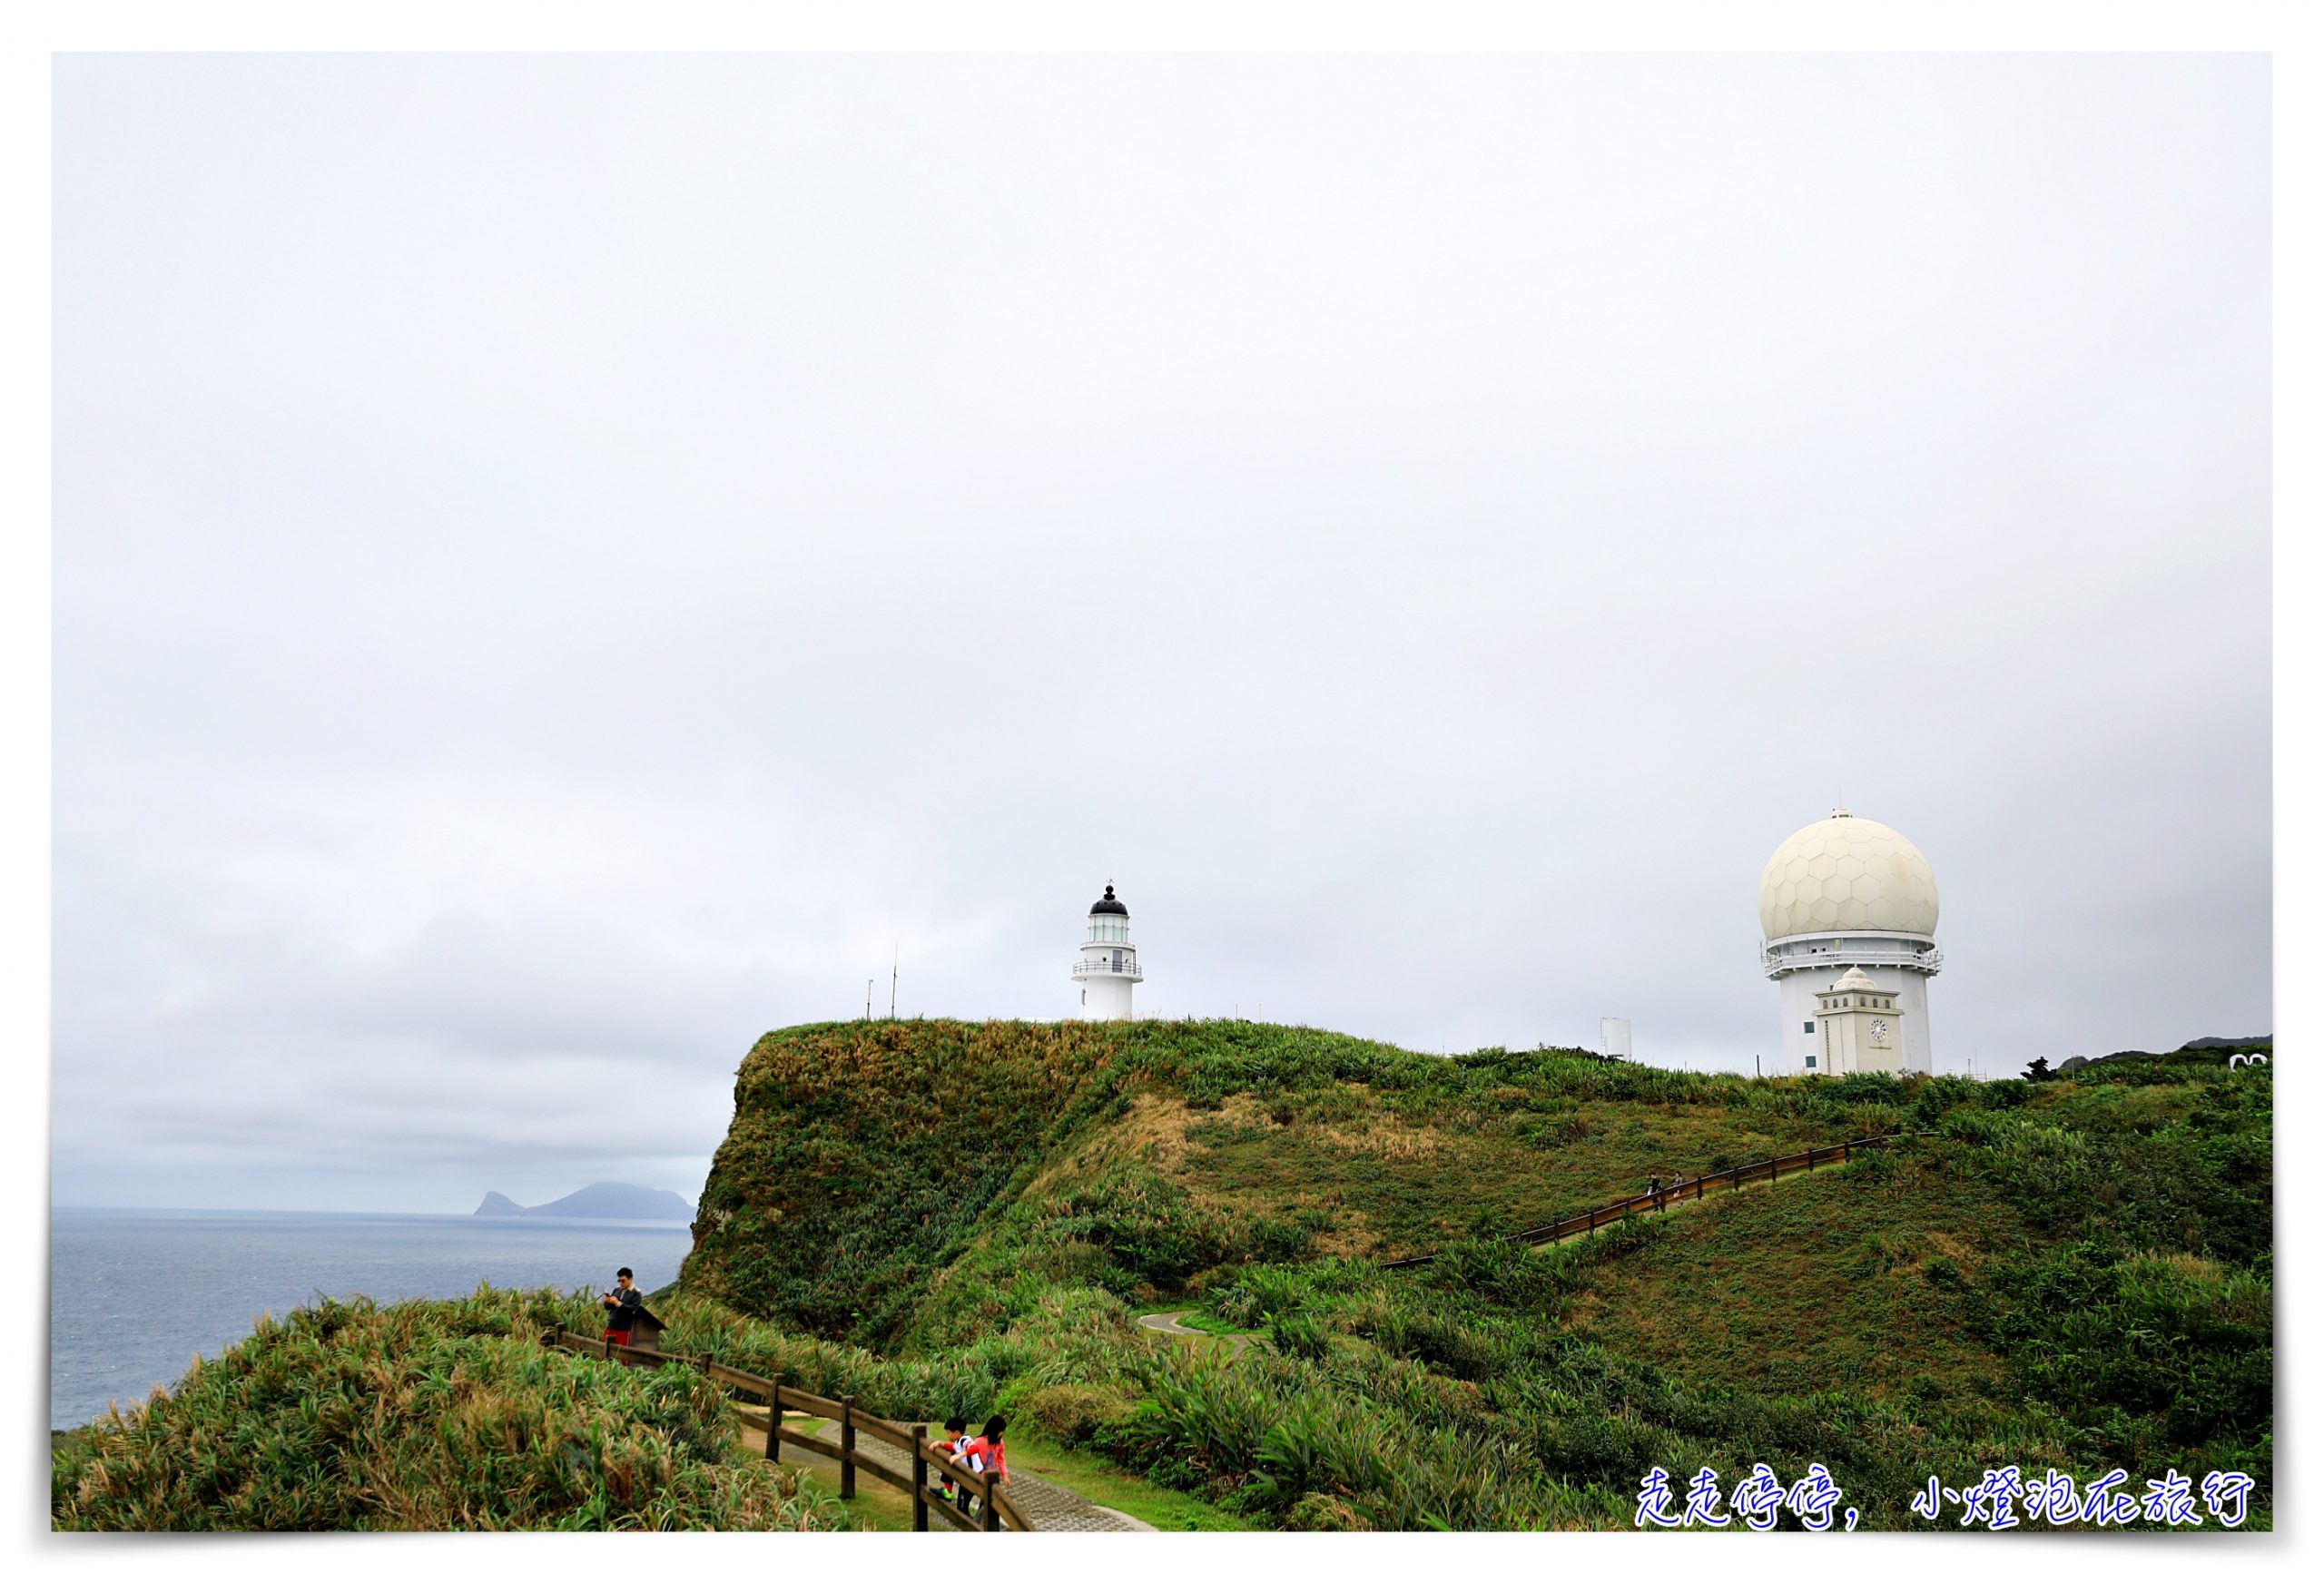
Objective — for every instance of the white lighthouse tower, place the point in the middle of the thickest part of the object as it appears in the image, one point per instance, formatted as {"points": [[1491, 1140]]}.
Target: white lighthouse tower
{"points": [[1845, 894], [1107, 965]]}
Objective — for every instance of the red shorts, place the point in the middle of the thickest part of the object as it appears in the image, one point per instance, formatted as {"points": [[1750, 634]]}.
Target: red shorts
{"points": [[619, 1338]]}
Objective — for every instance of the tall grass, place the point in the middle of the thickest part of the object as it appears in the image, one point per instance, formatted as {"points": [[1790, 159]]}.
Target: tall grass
{"points": [[939, 1218], [889, 1182], [2089, 1287], [435, 1415]]}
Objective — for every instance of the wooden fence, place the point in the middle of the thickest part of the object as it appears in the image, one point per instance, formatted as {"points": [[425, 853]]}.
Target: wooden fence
{"points": [[1620, 1209], [996, 1510]]}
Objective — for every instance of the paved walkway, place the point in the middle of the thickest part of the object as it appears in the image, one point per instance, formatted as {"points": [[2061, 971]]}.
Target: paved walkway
{"points": [[1167, 1323], [1050, 1508]]}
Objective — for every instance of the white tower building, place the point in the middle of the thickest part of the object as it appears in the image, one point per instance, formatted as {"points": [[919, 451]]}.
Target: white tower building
{"points": [[1107, 965], [1847, 893], [1859, 1028]]}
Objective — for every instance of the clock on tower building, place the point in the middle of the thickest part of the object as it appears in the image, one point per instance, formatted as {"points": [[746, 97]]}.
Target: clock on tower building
{"points": [[1859, 1028]]}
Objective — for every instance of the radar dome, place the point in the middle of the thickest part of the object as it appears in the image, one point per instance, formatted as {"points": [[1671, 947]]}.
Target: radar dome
{"points": [[1843, 873]]}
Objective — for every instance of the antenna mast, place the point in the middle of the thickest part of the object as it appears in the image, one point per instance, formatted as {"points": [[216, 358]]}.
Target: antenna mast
{"points": [[895, 965]]}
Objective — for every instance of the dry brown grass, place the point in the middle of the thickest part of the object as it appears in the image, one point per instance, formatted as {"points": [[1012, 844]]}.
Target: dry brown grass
{"points": [[1384, 1136]]}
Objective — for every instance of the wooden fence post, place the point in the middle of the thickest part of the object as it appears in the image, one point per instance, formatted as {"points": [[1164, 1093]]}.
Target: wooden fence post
{"points": [[919, 1478], [847, 1447], [990, 1516], [774, 1419]]}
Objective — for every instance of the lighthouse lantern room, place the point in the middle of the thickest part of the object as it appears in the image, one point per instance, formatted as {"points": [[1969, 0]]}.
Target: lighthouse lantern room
{"points": [[1107, 965]]}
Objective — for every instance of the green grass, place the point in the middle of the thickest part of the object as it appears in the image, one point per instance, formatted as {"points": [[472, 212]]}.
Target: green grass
{"points": [[876, 1507], [428, 1416], [2005, 1288], [1106, 1483], [1373, 1184], [866, 1191], [2073, 1274], [1815, 1281]]}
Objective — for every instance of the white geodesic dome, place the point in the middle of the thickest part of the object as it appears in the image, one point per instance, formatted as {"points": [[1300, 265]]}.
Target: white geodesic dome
{"points": [[1846, 872]]}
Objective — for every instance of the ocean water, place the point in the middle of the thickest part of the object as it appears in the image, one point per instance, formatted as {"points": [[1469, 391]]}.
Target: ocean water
{"points": [[135, 1294]]}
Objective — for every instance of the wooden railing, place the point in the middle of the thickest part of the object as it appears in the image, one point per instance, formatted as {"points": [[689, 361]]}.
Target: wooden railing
{"points": [[995, 1512], [1621, 1209]]}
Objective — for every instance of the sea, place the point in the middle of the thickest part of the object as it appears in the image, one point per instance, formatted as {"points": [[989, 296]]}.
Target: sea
{"points": [[135, 1294]]}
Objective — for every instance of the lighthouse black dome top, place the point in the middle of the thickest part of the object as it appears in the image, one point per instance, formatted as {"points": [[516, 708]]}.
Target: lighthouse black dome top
{"points": [[1106, 903]]}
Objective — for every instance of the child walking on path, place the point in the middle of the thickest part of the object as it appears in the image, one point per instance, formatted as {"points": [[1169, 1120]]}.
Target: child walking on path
{"points": [[984, 1453], [956, 1435]]}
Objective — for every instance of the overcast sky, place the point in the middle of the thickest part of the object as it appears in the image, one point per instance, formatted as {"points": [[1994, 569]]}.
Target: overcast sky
{"points": [[561, 564]]}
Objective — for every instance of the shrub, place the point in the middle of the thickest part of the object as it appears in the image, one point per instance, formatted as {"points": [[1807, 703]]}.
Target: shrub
{"points": [[1297, 1336], [2008, 1093], [1072, 1415], [1267, 1238], [1463, 1395], [423, 1416], [1318, 1513], [1146, 1223]]}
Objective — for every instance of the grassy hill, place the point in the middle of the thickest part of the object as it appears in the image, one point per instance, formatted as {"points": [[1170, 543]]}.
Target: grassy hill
{"points": [[2074, 1274], [1826, 1278], [939, 1217], [424, 1416], [872, 1166]]}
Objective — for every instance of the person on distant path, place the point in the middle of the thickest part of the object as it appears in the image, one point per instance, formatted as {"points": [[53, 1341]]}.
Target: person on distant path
{"points": [[621, 1304], [1654, 1189]]}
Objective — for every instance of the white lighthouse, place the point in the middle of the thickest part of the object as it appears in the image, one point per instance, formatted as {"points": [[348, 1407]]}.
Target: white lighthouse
{"points": [[1107, 965], [1847, 913]]}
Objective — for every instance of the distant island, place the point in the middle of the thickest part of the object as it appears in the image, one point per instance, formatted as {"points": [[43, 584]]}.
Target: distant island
{"points": [[599, 1201]]}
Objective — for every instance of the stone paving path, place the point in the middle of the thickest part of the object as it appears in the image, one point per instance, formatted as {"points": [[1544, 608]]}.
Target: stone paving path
{"points": [[1050, 1508]]}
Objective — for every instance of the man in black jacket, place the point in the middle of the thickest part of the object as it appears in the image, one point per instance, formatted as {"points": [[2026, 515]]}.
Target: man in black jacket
{"points": [[621, 1304]]}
